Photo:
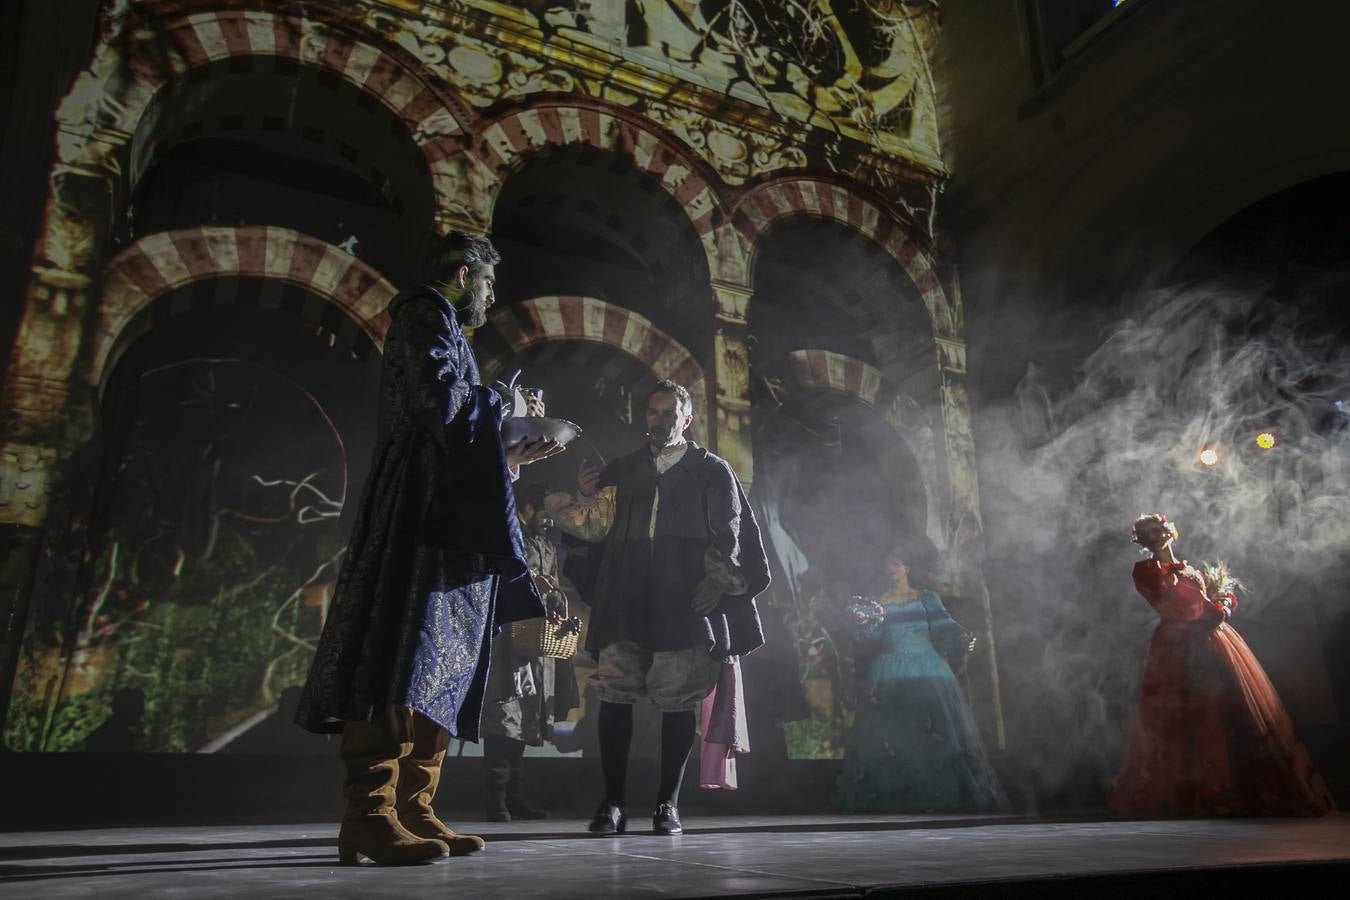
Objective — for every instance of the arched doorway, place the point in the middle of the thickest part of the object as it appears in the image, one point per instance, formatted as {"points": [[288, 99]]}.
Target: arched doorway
{"points": [[266, 141], [841, 478], [233, 436], [581, 221]]}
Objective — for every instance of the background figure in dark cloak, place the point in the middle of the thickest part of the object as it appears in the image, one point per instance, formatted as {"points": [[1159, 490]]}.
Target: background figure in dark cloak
{"points": [[525, 694], [435, 562], [674, 594], [914, 746], [1210, 736]]}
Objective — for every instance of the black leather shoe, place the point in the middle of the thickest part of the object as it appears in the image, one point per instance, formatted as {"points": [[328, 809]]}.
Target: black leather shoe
{"points": [[609, 819], [667, 820]]}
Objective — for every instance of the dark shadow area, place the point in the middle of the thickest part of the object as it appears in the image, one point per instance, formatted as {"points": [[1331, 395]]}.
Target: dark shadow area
{"points": [[281, 862], [61, 851], [154, 789], [1237, 881]]}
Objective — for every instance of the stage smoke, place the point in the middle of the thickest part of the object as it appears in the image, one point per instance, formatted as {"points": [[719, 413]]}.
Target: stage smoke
{"points": [[1065, 472]]}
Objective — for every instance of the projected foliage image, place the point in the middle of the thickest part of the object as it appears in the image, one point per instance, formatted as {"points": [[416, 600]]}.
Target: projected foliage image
{"points": [[216, 546]]}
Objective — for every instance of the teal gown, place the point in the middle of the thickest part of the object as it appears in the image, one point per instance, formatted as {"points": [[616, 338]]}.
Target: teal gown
{"points": [[914, 746]]}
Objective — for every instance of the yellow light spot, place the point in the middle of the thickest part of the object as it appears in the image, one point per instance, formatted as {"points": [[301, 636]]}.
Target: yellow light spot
{"points": [[1265, 440], [1209, 456]]}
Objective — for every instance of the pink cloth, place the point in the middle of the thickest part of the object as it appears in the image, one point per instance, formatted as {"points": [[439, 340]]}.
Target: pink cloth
{"points": [[725, 732]]}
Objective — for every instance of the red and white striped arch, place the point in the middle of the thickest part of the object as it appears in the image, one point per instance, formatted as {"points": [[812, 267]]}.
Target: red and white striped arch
{"points": [[435, 121], [759, 209], [504, 142], [826, 370], [513, 329], [837, 372], [160, 263]]}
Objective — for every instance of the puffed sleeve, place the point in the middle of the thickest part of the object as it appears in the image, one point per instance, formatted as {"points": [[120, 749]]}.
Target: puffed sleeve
{"points": [[591, 518], [1148, 579], [1171, 595], [946, 634], [588, 518]]}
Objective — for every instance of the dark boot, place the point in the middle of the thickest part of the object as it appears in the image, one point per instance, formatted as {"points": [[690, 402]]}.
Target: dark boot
{"points": [[516, 804], [419, 776], [496, 778], [371, 752]]}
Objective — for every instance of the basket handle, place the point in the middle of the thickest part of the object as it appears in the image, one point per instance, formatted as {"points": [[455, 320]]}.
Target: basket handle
{"points": [[553, 587]]}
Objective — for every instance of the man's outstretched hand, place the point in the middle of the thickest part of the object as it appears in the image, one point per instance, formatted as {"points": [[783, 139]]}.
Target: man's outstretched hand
{"points": [[532, 451]]}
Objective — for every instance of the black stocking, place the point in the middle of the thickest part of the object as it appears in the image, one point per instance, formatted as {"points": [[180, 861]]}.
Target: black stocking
{"points": [[616, 734], [677, 739]]}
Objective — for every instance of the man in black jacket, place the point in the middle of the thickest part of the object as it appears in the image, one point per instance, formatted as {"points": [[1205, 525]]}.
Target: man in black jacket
{"points": [[674, 597]]}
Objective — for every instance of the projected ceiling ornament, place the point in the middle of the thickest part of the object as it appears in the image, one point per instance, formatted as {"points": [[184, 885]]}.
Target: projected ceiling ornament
{"points": [[736, 80]]}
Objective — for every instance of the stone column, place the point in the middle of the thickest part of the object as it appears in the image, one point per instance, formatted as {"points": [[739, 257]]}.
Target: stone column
{"points": [[731, 374], [965, 548], [466, 191], [48, 408]]}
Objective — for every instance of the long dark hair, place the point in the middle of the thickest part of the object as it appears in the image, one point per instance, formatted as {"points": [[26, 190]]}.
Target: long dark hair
{"points": [[918, 559]]}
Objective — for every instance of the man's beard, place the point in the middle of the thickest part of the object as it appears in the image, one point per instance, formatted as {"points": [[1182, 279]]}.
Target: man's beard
{"points": [[475, 314]]}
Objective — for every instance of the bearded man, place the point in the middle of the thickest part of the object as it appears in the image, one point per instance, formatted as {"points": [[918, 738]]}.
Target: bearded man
{"points": [[435, 564]]}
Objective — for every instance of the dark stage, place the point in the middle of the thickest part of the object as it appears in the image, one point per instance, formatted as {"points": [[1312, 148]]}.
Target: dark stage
{"points": [[818, 856]]}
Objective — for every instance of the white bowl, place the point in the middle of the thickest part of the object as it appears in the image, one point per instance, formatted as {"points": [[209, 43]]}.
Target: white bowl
{"points": [[527, 428]]}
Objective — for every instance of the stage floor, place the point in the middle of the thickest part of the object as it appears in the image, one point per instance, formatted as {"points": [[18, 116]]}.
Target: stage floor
{"points": [[823, 856]]}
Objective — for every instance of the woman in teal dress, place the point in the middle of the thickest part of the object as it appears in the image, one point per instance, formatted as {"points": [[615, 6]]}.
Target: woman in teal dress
{"points": [[914, 745]]}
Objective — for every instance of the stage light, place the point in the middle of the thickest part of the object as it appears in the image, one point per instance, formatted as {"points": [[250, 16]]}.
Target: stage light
{"points": [[1209, 457], [1265, 440]]}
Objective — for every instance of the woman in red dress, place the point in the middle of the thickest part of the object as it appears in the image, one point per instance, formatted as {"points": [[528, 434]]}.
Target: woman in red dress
{"points": [[1210, 736]]}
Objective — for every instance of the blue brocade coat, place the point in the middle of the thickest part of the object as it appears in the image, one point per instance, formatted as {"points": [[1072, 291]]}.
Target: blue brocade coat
{"points": [[436, 561]]}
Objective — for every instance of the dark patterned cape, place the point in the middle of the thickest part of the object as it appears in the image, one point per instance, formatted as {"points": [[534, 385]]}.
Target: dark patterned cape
{"points": [[436, 560]]}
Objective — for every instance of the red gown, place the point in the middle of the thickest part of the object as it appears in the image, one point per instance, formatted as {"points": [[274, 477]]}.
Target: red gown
{"points": [[1210, 736]]}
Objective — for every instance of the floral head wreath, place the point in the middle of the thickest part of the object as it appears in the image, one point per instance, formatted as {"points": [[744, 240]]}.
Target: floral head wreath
{"points": [[1153, 517]]}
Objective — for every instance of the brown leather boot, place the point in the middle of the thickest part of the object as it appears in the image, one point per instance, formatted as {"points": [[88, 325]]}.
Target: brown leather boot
{"points": [[419, 776], [370, 827]]}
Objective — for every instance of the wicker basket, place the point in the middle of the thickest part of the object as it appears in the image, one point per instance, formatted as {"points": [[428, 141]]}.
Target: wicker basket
{"points": [[538, 637]]}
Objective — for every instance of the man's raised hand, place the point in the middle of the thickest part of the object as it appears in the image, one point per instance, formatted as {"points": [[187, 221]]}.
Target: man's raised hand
{"points": [[588, 478]]}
